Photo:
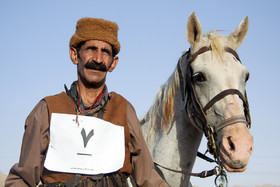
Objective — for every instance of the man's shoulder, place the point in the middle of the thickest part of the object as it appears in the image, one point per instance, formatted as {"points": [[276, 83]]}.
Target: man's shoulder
{"points": [[56, 96], [115, 94], [119, 97], [123, 99], [60, 103], [61, 98]]}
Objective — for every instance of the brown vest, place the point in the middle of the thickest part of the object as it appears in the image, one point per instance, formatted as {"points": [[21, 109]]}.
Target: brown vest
{"points": [[115, 112]]}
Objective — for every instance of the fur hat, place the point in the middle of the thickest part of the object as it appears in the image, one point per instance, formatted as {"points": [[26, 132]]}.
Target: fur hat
{"points": [[96, 29]]}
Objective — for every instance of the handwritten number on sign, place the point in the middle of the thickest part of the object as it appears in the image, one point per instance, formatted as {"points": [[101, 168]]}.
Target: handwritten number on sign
{"points": [[86, 137]]}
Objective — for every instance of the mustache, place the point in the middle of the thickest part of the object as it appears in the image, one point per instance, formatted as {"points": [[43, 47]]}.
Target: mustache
{"points": [[96, 66]]}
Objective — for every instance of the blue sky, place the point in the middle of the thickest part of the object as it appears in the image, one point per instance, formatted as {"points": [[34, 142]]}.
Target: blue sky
{"points": [[35, 62]]}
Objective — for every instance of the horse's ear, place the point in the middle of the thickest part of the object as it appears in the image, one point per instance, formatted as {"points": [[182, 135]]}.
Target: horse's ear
{"points": [[193, 33], [236, 38]]}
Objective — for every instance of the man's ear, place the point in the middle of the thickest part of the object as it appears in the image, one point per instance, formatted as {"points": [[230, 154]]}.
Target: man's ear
{"points": [[73, 55], [114, 64]]}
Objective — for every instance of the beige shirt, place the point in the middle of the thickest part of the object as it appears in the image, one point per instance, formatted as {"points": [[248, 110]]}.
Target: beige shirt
{"points": [[34, 145]]}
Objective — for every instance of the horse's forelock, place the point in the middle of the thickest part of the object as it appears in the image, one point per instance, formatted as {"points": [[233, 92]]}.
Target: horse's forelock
{"points": [[216, 44], [216, 41]]}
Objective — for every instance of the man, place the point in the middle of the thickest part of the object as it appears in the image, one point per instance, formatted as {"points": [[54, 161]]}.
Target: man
{"points": [[60, 142]]}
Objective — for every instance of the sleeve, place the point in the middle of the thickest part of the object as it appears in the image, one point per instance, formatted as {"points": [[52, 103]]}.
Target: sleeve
{"points": [[35, 140], [142, 163]]}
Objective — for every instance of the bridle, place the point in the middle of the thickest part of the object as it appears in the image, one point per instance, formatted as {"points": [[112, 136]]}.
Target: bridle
{"points": [[197, 113]]}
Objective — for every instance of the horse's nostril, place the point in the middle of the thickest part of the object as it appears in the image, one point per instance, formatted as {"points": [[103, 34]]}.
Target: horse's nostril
{"points": [[232, 147], [231, 144]]}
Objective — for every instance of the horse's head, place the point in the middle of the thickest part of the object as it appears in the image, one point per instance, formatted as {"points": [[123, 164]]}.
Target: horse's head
{"points": [[216, 72]]}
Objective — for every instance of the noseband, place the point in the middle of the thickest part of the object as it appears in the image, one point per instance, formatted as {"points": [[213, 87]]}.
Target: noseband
{"points": [[196, 112]]}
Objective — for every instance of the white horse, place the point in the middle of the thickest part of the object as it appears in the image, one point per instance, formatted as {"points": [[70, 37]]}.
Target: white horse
{"points": [[205, 93]]}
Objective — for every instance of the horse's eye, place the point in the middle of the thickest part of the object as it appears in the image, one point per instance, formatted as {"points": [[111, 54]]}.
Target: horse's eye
{"points": [[199, 77]]}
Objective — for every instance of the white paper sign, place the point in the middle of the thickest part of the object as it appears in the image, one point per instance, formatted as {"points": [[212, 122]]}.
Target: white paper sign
{"points": [[93, 147]]}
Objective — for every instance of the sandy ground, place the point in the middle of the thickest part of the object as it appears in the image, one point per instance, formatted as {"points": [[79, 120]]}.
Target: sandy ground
{"points": [[2, 179]]}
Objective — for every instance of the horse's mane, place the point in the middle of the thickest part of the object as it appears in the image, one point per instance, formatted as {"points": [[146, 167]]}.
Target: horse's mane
{"points": [[162, 109], [163, 105]]}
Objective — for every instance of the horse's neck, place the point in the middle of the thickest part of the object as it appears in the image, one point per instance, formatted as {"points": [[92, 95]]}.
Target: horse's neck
{"points": [[176, 147], [180, 141]]}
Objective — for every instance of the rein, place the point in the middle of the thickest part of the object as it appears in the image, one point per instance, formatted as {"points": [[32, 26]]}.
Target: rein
{"points": [[197, 114], [203, 174]]}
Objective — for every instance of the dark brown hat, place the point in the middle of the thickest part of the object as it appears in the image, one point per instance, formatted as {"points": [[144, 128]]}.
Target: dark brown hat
{"points": [[96, 29]]}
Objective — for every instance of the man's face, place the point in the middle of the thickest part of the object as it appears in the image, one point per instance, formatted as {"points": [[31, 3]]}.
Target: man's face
{"points": [[94, 59]]}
